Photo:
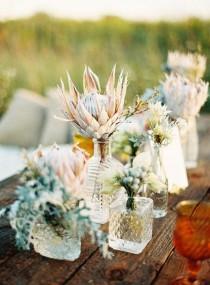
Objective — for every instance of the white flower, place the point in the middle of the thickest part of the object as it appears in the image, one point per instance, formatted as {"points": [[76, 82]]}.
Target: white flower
{"points": [[183, 97], [191, 65], [69, 164], [158, 124], [158, 110], [95, 115]]}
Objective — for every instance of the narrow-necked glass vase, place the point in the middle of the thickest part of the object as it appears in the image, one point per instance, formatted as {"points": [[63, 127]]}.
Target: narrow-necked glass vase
{"points": [[130, 225], [159, 196], [97, 201]]}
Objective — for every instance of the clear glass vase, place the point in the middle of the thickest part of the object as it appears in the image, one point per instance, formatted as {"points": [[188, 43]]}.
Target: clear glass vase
{"points": [[130, 230], [190, 143], [55, 242], [97, 201], [160, 196]]}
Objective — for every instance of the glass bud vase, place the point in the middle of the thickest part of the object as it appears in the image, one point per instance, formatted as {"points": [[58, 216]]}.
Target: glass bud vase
{"points": [[190, 143], [160, 196], [55, 242], [97, 201], [130, 230]]}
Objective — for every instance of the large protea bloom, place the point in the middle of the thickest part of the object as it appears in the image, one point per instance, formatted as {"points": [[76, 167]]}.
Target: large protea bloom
{"points": [[95, 115], [69, 164], [190, 65], [184, 97]]}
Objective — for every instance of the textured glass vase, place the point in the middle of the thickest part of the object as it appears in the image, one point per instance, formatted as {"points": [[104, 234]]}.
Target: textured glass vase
{"points": [[131, 230], [160, 196], [190, 143], [55, 242], [97, 201]]}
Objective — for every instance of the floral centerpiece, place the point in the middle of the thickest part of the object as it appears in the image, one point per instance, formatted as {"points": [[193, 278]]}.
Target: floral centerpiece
{"points": [[47, 212], [159, 129], [97, 115], [185, 98], [130, 226]]}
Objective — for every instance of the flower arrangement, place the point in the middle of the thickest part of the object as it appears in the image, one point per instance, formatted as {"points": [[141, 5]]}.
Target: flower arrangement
{"points": [[97, 115], [183, 97], [44, 197], [131, 179], [190, 65]]}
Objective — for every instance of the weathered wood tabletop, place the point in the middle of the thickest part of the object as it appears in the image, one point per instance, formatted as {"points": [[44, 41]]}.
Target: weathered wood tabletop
{"points": [[157, 265]]}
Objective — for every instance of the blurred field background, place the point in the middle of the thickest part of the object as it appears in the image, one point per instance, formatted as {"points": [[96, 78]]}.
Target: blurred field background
{"points": [[40, 49]]}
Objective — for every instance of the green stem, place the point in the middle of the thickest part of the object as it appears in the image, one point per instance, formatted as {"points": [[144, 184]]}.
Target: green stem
{"points": [[130, 204]]}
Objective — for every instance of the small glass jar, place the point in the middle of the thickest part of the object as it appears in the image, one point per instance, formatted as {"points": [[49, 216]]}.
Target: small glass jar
{"points": [[55, 242], [130, 230], [190, 143], [97, 202], [160, 196]]}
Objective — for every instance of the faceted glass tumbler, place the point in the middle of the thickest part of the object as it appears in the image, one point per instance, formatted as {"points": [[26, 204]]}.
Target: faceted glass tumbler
{"points": [[55, 242], [131, 230], [97, 201]]}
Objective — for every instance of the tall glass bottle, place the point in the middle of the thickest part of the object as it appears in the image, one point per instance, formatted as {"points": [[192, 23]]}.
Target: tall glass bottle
{"points": [[190, 143], [160, 196], [97, 201]]}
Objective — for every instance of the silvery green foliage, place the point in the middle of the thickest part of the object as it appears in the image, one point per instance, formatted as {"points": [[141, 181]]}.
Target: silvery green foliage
{"points": [[45, 196]]}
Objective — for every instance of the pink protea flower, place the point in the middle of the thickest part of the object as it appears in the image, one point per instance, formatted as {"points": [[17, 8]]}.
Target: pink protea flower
{"points": [[69, 164], [96, 115]]}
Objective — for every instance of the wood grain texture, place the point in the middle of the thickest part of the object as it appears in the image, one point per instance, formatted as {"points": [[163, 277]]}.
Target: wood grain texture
{"points": [[158, 263]]}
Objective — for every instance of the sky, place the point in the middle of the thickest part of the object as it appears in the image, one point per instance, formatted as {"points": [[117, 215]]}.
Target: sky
{"points": [[150, 10]]}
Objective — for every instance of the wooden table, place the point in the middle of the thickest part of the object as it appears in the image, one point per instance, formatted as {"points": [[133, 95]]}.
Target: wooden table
{"points": [[158, 264]]}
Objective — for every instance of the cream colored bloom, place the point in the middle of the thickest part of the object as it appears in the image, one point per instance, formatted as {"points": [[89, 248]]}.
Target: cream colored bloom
{"points": [[191, 65], [96, 115], [158, 124], [69, 164], [183, 97]]}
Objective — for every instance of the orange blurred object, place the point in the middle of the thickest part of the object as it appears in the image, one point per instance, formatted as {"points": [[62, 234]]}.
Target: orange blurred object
{"points": [[84, 143], [192, 237]]}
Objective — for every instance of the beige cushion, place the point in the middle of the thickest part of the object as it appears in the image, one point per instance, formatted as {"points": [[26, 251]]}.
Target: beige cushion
{"points": [[22, 123], [55, 130]]}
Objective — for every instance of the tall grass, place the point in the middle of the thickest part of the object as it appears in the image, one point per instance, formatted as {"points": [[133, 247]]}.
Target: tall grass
{"points": [[42, 48]]}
